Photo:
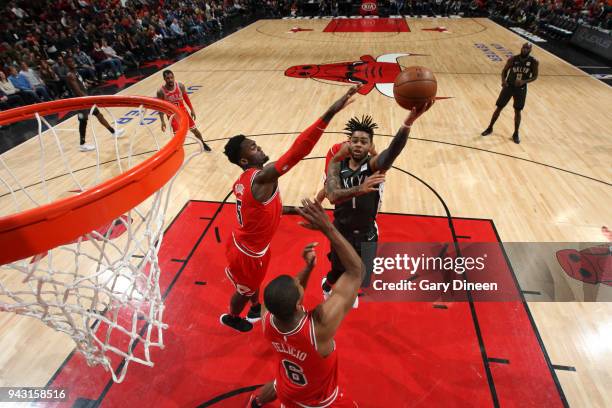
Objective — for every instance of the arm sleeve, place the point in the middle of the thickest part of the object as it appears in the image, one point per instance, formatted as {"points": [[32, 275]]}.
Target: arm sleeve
{"points": [[301, 147], [187, 100]]}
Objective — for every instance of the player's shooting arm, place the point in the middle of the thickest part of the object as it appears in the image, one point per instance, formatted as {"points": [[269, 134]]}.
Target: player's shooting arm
{"points": [[303, 144], [330, 313], [385, 159]]}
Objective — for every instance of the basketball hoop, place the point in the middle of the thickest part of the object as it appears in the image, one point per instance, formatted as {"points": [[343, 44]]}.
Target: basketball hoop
{"points": [[87, 264]]}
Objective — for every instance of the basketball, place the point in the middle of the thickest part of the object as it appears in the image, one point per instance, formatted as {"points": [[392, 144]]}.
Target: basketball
{"points": [[414, 86]]}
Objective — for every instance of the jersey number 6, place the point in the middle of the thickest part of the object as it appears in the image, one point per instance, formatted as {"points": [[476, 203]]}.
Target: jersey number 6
{"points": [[295, 373]]}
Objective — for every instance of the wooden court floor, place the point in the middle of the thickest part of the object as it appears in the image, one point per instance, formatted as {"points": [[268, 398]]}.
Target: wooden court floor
{"points": [[553, 187]]}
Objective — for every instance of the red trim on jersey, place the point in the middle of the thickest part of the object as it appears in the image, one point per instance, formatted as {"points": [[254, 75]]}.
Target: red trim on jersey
{"points": [[290, 332], [257, 221], [242, 248], [313, 335]]}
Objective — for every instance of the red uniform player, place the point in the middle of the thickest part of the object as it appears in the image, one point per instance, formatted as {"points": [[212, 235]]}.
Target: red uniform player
{"points": [[307, 362], [302, 374], [258, 210], [175, 93], [257, 223]]}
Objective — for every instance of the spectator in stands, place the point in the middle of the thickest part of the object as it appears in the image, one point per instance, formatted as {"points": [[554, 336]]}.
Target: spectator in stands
{"points": [[60, 67], [454, 7], [30, 57], [20, 82], [85, 66], [10, 101], [17, 11], [105, 62], [55, 85], [439, 7], [416, 7], [124, 45], [335, 8], [110, 51], [66, 41], [37, 83], [9, 89], [473, 9], [176, 29]]}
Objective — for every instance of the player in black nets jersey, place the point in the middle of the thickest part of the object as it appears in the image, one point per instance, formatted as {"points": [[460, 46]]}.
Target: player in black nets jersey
{"points": [[518, 72], [78, 88], [355, 185]]}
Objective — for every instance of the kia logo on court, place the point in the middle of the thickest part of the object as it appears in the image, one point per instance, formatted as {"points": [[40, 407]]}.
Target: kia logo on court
{"points": [[368, 6]]}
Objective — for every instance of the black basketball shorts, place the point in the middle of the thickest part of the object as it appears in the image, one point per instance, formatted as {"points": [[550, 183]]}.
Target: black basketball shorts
{"points": [[518, 94]]}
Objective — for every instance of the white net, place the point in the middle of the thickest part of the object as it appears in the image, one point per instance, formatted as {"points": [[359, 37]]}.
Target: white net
{"points": [[102, 289]]}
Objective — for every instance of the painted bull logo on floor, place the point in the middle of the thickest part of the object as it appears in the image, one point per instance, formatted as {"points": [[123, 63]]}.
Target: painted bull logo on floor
{"points": [[369, 72], [590, 265]]}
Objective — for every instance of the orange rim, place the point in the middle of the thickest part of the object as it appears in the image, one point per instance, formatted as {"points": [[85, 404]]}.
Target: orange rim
{"points": [[40, 229]]}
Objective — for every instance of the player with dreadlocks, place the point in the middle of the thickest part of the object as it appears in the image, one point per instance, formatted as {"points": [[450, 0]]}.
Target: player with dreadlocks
{"points": [[355, 185], [342, 149]]}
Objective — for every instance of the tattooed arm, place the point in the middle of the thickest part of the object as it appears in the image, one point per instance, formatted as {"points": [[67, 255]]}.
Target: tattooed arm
{"points": [[333, 188], [385, 159]]}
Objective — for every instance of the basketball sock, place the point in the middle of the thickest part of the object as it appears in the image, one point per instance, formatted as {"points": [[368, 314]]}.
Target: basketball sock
{"points": [[82, 130], [254, 313]]}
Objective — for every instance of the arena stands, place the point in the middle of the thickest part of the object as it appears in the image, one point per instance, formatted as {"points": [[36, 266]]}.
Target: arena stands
{"points": [[111, 38]]}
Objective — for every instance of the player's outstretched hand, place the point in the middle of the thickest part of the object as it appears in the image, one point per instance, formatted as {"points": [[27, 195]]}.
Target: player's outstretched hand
{"points": [[344, 101], [371, 183], [309, 254], [193, 115], [416, 112], [314, 216]]}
